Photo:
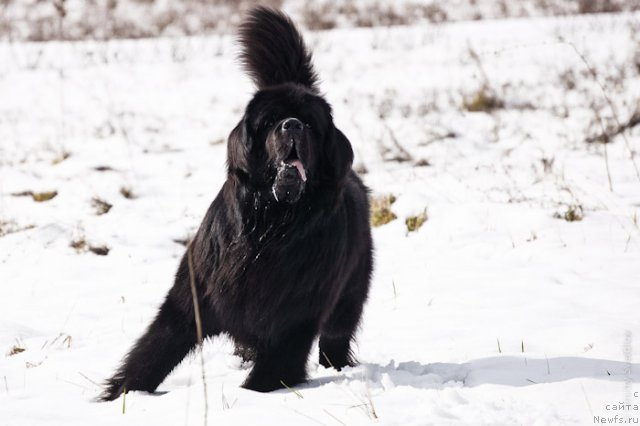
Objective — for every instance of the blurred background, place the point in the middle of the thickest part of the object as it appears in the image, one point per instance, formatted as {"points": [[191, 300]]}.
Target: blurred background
{"points": [[42, 20]]}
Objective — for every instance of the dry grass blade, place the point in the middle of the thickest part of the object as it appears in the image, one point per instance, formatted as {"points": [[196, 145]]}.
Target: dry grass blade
{"points": [[10, 227], [297, 393], [198, 320], [124, 400], [371, 407], [90, 380], [485, 99], [594, 75], [225, 401], [607, 135], [334, 417], [328, 360], [401, 155]]}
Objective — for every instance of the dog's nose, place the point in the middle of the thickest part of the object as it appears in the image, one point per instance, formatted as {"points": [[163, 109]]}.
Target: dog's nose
{"points": [[291, 125]]}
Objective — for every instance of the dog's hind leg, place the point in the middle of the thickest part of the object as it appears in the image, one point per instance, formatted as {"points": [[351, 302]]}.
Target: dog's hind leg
{"points": [[169, 338]]}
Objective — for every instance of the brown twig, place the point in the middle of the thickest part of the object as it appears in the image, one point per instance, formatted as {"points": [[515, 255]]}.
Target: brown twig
{"points": [[402, 154], [594, 75], [198, 319], [606, 164], [606, 156], [607, 136]]}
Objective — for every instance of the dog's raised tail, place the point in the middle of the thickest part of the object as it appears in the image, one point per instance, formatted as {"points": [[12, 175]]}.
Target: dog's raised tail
{"points": [[273, 50]]}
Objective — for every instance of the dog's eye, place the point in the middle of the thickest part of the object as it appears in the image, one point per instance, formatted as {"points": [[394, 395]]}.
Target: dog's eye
{"points": [[307, 125], [267, 124]]}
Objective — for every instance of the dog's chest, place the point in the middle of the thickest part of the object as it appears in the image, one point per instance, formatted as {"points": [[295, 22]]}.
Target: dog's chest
{"points": [[286, 277]]}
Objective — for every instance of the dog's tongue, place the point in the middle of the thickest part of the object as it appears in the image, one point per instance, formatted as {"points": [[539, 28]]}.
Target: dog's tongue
{"points": [[298, 165]]}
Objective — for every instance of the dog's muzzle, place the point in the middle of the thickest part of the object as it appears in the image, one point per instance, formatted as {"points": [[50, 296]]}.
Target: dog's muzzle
{"points": [[291, 176]]}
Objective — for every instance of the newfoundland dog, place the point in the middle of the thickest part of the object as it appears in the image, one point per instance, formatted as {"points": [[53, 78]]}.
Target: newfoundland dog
{"points": [[284, 253]]}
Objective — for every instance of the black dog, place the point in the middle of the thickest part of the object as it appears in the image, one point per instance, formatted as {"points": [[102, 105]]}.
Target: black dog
{"points": [[284, 253]]}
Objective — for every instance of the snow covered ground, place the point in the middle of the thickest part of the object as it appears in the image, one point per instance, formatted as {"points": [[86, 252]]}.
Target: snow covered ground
{"points": [[495, 312]]}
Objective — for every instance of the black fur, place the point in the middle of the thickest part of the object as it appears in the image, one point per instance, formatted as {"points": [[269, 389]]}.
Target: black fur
{"points": [[274, 51], [278, 259]]}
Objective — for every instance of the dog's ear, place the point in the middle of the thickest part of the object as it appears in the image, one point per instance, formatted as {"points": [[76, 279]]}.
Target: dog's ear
{"points": [[338, 156], [238, 148]]}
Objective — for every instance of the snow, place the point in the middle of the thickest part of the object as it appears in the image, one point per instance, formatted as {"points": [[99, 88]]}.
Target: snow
{"points": [[494, 312]]}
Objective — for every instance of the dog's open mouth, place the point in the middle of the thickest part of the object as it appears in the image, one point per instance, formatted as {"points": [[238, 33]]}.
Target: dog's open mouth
{"points": [[290, 179], [298, 165], [294, 161]]}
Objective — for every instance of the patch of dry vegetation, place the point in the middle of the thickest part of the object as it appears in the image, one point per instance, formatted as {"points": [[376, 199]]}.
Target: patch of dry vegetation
{"points": [[15, 350], [381, 213], [415, 222], [127, 192], [81, 245], [101, 206], [10, 226], [38, 197], [482, 101], [40, 20], [572, 213]]}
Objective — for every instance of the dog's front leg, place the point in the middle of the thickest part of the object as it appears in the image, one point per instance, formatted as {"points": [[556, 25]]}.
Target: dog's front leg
{"points": [[282, 362]]}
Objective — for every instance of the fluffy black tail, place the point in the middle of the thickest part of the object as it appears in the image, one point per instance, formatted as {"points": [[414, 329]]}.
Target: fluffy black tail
{"points": [[273, 51]]}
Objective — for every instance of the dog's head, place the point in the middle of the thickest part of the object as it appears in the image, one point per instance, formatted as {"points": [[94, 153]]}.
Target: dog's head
{"points": [[286, 140]]}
